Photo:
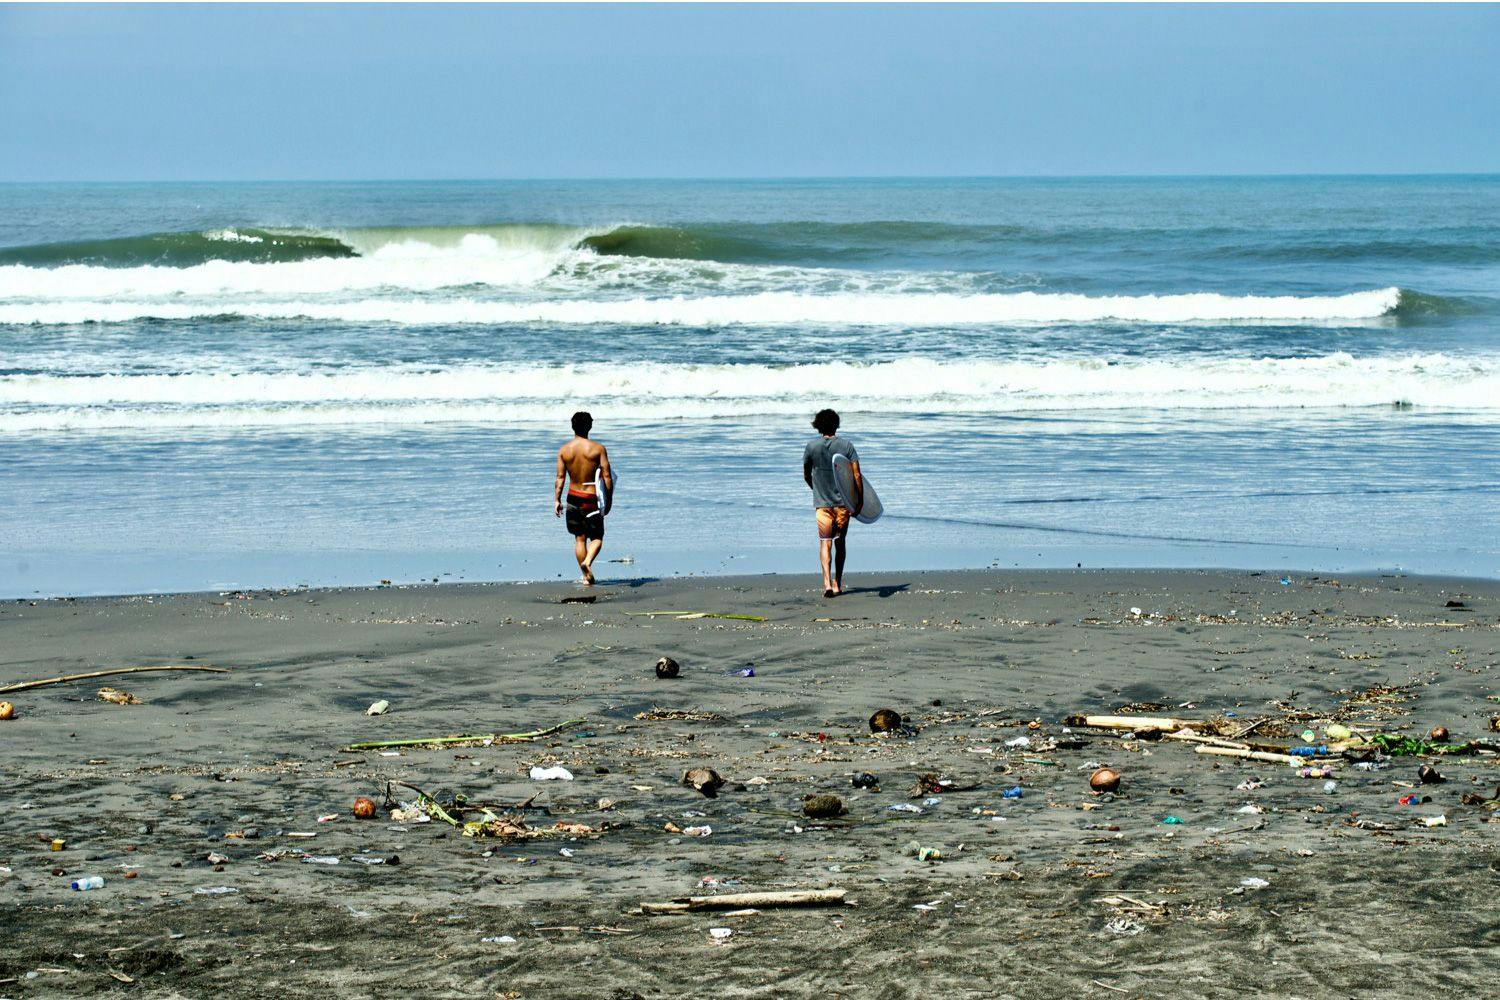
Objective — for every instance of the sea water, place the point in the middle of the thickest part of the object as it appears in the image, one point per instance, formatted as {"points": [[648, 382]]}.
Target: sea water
{"points": [[236, 385]]}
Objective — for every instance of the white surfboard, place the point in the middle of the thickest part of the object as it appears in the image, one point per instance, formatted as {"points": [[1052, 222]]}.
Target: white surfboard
{"points": [[843, 476], [602, 490]]}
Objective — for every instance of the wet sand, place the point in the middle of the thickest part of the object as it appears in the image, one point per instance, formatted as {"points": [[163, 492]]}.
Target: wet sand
{"points": [[1057, 893]]}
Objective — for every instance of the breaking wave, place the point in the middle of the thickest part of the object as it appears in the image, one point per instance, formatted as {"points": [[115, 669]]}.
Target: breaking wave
{"points": [[921, 310], [651, 391], [795, 242]]}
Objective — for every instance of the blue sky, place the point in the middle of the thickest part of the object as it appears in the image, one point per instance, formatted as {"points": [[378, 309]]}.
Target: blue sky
{"points": [[122, 92]]}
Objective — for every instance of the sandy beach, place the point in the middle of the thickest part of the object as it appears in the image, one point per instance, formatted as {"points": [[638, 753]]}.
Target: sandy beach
{"points": [[1268, 885]]}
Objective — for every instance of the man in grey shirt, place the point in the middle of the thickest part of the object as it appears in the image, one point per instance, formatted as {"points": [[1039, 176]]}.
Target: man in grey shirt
{"points": [[829, 505]]}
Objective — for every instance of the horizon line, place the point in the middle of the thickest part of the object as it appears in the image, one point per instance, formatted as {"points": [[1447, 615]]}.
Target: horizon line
{"points": [[644, 178]]}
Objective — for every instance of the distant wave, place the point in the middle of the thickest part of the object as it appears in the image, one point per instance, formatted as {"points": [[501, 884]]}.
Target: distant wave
{"points": [[813, 243], [917, 310], [650, 391]]}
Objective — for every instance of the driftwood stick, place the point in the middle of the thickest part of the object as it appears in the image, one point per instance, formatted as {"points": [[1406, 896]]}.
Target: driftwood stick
{"points": [[423, 741], [1248, 729], [757, 900], [28, 685], [1131, 722], [1272, 758], [1212, 741]]}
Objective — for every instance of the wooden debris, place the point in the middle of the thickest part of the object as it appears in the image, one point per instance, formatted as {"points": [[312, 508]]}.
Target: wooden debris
{"points": [[426, 741], [694, 615], [64, 679], [118, 697], [750, 900], [1135, 723], [1248, 754]]}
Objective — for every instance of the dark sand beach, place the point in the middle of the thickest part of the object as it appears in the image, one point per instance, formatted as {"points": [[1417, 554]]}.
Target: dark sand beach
{"points": [[1057, 893]]}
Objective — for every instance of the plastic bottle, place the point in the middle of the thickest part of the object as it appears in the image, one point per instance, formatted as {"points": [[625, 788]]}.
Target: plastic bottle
{"points": [[85, 884]]}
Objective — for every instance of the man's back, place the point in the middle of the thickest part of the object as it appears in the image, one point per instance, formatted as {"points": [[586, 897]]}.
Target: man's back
{"points": [[582, 458], [817, 462]]}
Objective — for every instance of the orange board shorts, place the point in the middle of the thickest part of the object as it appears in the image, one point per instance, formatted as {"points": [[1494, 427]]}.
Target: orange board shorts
{"points": [[833, 522]]}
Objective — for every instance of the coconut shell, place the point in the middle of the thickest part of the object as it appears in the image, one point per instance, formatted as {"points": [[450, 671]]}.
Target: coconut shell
{"points": [[703, 779], [667, 668], [822, 806], [7, 711], [885, 721], [1439, 734], [1106, 779], [1428, 775], [364, 807]]}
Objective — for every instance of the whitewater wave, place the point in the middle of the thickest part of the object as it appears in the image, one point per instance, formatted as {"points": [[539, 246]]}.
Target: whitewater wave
{"points": [[923, 310], [654, 391]]}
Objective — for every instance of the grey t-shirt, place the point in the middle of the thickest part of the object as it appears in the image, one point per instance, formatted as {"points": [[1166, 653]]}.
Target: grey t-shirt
{"points": [[817, 459]]}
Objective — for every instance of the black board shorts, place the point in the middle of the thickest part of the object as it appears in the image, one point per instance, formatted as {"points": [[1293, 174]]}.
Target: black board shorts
{"points": [[583, 516]]}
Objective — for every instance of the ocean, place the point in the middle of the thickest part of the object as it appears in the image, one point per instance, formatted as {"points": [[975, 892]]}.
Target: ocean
{"points": [[216, 386]]}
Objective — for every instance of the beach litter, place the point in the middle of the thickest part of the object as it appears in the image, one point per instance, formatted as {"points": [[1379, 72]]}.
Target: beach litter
{"points": [[87, 883], [694, 615], [7, 711], [379, 708], [705, 780], [823, 806], [558, 773], [484, 739], [667, 668], [1105, 779], [66, 678], [885, 720], [363, 808], [115, 697], [750, 900]]}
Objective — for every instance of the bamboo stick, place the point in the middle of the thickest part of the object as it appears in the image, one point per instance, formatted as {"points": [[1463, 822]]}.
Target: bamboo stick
{"points": [[1273, 758], [474, 738], [750, 900], [65, 678], [696, 614], [1208, 740], [1130, 722]]}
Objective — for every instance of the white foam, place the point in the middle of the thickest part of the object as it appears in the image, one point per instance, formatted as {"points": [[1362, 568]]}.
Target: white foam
{"points": [[521, 393], [763, 309]]}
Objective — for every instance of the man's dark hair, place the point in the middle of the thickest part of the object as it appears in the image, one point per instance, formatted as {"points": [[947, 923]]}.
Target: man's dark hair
{"points": [[826, 422], [583, 423]]}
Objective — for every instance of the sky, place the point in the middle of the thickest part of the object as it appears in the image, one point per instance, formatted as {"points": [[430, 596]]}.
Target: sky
{"points": [[349, 92]]}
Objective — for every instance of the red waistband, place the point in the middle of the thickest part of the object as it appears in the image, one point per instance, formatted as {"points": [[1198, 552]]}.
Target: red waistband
{"points": [[581, 495]]}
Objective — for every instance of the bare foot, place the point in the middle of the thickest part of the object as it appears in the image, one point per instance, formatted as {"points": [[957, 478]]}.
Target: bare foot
{"points": [[588, 577]]}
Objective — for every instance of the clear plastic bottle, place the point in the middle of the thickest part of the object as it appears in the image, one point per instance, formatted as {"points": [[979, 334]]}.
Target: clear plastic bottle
{"points": [[85, 884]]}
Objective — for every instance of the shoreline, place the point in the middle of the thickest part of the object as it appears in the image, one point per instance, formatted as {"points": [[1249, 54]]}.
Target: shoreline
{"points": [[807, 567], [242, 782]]}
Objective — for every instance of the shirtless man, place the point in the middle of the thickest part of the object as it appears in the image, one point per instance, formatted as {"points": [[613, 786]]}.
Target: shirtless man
{"points": [[577, 461], [832, 515]]}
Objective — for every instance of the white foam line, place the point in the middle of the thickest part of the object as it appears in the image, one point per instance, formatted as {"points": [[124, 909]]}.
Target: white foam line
{"points": [[517, 393], [765, 309]]}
